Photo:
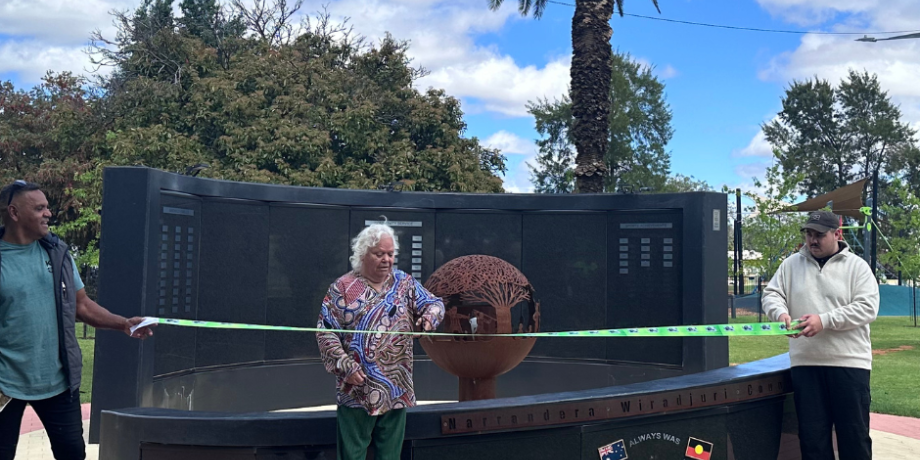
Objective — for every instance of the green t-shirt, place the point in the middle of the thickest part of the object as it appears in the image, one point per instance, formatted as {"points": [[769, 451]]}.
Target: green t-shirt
{"points": [[30, 362]]}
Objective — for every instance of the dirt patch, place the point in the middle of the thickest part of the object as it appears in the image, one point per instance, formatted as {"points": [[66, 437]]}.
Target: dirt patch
{"points": [[892, 350]]}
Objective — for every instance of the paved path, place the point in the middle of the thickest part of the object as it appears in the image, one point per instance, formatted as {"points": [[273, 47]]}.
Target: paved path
{"points": [[893, 438]]}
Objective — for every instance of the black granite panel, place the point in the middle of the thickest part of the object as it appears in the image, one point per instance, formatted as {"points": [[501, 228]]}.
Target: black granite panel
{"points": [[492, 233], [662, 437], [755, 432], [234, 264], [644, 283], [175, 294], [415, 231], [548, 444], [565, 259], [308, 250], [123, 366]]}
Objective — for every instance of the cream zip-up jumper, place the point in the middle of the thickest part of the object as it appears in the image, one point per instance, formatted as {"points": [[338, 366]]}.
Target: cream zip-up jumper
{"points": [[844, 294]]}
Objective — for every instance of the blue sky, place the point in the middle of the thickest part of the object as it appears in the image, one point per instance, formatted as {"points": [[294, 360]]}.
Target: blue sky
{"points": [[721, 84]]}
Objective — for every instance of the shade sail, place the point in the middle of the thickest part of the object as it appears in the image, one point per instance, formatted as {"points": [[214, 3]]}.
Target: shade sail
{"points": [[846, 201]]}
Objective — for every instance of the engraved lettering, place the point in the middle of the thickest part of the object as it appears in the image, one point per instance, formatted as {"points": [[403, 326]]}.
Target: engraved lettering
{"points": [[529, 418], [469, 423], [576, 413], [546, 415], [625, 406], [750, 390], [452, 424], [591, 412], [562, 415], [514, 419]]}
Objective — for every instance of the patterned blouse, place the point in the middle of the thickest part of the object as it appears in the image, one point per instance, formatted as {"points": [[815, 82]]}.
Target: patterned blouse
{"points": [[386, 359]]}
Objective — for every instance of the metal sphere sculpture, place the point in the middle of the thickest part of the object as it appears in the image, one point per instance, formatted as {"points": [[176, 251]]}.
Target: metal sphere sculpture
{"points": [[479, 293]]}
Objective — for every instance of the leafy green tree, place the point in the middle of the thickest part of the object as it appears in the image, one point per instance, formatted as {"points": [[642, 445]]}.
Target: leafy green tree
{"points": [[219, 28], [49, 135], [318, 112], [640, 129], [678, 183], [774, 234], [904, 237], [324, 110], [905, 165], [592, 64], [554, 172], [834, 136]]}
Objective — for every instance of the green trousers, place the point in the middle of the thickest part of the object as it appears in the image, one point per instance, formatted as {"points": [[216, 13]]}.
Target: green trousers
{"points": [[356, 430]]}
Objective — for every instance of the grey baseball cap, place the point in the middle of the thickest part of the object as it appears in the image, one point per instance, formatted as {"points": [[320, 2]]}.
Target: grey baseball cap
{"points": [[822, 221]]}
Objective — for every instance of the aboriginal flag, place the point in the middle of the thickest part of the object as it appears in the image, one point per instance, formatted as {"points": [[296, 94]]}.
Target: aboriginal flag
{"points": [[698, 449]]}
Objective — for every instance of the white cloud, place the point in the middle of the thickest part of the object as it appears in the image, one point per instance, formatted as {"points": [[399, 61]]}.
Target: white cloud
{"points": [[758, 147], [746, 174], [58, 22], [811, 12], [442, 40], [751, 170], [31, 59], [830, 57], [442, 35], [522, 151], [896, 62], [498, 84], [668, 72], [510, 143]]}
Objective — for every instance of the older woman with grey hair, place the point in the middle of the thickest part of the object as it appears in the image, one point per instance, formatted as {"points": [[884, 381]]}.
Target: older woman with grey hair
{"points": [[373, 371]]}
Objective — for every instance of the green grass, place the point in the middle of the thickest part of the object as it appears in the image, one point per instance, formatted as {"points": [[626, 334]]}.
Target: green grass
{"points": [[895, 375], [87, 339]]}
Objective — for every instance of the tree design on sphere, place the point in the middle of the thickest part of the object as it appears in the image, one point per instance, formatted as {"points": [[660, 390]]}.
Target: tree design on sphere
{"points": [[476, 280]]}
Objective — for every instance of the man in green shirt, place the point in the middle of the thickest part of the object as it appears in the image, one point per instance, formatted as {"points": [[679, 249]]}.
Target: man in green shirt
{"points": [[41, 297]]}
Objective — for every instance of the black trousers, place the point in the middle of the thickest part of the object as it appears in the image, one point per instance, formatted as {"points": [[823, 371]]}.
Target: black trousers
{"points": [[61, 417], [835, 398]]}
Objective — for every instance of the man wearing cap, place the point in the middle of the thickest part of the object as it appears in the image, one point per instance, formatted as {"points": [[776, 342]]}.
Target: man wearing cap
{"points": [[834, 296], [41, 297]]}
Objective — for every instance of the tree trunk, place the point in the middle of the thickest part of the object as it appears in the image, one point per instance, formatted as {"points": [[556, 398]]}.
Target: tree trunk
{"points": [[590, 72]]}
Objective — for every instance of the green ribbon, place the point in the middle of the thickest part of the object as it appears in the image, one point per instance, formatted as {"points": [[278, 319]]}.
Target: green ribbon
{"points": [[709, 330]]}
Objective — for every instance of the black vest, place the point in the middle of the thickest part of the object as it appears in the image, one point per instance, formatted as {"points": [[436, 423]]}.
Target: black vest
{"points": [[65, 299]]}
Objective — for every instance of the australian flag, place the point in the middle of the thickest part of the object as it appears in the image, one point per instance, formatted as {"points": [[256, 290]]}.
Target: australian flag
{"points": [[614, 451]]}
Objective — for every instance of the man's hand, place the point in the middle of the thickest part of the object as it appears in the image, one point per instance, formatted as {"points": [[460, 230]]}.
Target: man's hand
{"points": [[357, 378], [141, 333], [785, 318], [810, 325]]}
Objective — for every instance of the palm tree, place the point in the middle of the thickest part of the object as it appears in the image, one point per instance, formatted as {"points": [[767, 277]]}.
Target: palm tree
{"points": [[590, 86]]}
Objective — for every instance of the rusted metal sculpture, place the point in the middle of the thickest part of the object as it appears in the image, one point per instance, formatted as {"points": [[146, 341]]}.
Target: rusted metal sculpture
{"points": [[479, 293]]}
